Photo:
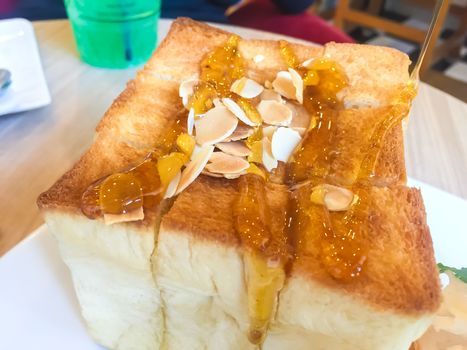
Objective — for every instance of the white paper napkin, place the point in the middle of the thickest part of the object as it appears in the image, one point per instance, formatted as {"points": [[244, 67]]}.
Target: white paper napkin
{"points": [[19, 54]]}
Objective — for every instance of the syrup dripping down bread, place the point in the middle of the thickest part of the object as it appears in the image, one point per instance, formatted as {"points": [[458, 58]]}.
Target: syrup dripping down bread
{"points": [[176, 280]]}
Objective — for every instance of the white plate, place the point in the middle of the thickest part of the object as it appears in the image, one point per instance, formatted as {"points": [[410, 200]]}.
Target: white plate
{"points": [[38, 308], [19, 54]]}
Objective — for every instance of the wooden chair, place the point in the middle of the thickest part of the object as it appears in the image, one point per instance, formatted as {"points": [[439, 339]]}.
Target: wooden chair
{"points": [[345, 14]]}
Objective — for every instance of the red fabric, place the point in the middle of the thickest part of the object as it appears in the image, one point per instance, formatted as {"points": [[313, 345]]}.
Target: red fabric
{"points": [[264, 15], [7, 5]]}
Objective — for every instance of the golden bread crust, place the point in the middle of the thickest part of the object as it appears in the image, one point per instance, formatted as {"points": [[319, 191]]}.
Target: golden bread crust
{"points": [[376, 73], [352, 130], [139, 115], [126, 134]]}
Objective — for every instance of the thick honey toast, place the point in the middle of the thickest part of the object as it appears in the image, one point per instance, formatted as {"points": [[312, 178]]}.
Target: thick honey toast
{"points": [[183, 285]]}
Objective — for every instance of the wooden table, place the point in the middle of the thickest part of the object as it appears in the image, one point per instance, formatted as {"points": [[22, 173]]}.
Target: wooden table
{"points": [[38, 146]]}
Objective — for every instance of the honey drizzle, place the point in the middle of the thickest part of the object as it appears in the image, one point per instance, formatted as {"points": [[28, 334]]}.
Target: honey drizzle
{"points": [[311, 160], [344, 245], [344, 257], [266, 252], [134, 187]]}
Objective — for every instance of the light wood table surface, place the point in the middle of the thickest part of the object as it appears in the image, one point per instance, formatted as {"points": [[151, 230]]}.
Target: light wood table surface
{"points": [[38, 146]]}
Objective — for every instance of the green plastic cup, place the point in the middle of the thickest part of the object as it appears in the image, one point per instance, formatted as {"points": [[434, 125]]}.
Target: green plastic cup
{"points": [[114, 33]]}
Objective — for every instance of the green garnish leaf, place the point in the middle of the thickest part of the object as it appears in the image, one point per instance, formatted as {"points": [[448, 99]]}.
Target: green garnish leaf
{"points": [[459, 273]]}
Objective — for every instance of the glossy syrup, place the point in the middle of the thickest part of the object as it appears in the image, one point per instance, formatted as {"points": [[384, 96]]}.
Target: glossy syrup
{"points": [[140, 186], [343, 242]]}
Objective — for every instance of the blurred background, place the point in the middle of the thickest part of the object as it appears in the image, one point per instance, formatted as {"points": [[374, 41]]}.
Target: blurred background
{"points": [[397, 23]]}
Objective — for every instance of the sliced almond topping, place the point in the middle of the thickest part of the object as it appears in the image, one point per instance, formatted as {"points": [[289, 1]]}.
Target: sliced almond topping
{"points": [[234, 176], [275, 113], [236, 148], [194, 167], [258, 58], [196, 150], [223, 163], [134, 215], [208, 173], [335, 198], [172, 187], [186, 89], [190, 121], [269, 94], [216, 157], [307, 63], [241, 132], [218, 124], [269, 161], [233, 107], [300, 117], [227, 176], [268, 131], [289, 84], [284, 141], [246, 88], [405, 124], [298, 83], [284, 85], [268, 84], [217, 102]]}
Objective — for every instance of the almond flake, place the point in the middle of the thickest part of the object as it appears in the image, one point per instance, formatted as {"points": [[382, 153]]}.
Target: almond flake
{"points": [[227, 176], [194, 167], [186, 89], [339, 200], [217, 102], [234, 176], [241, 132], [269, 161], [134, 215], [300, 117], [307, 63], [223, 163], [405, 124], [172, 187], [335, 198], [233, 107], [298, 83], [236, 148], [205, 172], [275, 113], [196, 150], [283, 143], [246, 88], [218, 124], [284, 85], [190, 121], [289, 84], [268, 131], [268, 84], [269, 94]]}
